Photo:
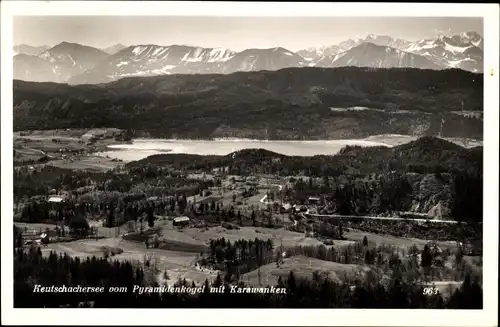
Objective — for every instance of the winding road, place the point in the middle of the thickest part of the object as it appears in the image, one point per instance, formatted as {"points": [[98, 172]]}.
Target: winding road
{"points": [[307, 214]]}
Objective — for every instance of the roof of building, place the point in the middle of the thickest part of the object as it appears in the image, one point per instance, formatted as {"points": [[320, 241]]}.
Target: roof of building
{"points": [[55, 199], [180, 219], [287, 206], [314, 198]]}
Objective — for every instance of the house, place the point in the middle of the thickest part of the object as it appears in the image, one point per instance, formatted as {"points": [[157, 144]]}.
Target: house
{"points": [[93, 135], [181, 221], [252, 179], [285, 208], [56, 199], [313, 200], [238, 179], [300, 208]]}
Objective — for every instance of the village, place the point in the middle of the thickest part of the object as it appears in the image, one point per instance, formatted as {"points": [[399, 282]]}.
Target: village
{"points": [[182, 220]]}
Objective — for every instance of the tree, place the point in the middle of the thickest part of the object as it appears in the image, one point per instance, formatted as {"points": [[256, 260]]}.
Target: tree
{"points": [[369, 258], [459, 255], [111, 218], [18, 237], [426, 257], [291, 282], [79, 224], [150, 216]]}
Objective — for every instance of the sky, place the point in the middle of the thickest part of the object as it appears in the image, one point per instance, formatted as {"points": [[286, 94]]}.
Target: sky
{"points": [[235, 33]]}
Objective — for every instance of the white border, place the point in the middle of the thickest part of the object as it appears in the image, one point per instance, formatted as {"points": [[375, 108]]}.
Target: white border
{"points": [[485, 317]]}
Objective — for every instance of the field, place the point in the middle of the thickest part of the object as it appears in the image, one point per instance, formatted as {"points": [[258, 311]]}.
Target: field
{"points": [[303, 267], [93, 163], [395, 241], [177, 264], [64, 148], [288, 238]]}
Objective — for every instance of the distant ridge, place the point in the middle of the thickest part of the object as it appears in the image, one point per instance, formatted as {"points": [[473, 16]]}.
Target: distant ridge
{"points": [[288, 104]]}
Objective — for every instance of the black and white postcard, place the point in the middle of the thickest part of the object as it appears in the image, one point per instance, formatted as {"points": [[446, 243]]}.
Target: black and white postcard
{"points": [[255, 156]]}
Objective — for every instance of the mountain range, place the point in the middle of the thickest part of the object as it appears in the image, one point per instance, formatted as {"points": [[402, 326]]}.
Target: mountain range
{"points": [[77, 64]]}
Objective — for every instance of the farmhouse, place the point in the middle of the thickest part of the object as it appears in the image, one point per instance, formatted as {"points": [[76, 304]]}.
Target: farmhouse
{"points": [[181, 221]]}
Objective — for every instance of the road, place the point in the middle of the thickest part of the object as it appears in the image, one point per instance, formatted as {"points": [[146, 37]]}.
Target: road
{"points": [[380, 218]]}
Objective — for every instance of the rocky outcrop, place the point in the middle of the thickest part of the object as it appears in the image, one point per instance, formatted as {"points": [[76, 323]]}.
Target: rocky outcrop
{"points": [[432, 194]]}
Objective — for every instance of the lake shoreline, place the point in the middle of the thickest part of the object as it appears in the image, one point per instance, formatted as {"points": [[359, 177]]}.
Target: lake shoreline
{"points": [[141, 148]]}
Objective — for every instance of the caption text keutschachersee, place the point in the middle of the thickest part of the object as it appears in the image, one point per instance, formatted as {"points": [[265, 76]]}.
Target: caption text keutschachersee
{"points": [[156, 289]]}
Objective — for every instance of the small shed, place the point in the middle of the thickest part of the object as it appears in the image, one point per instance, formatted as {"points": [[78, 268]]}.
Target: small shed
{"points": [[181, 221]]}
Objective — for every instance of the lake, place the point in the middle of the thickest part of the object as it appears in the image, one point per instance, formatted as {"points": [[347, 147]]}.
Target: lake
{"points": [[142, 148]]}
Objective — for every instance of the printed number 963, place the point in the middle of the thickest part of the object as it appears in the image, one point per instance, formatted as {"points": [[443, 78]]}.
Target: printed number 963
{"points": [[430, 291]]}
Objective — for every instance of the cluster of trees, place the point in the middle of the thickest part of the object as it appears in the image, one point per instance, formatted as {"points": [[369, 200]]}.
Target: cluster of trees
{"points": [[239, 257], [410, 264], [32, 268], [148, 179]]}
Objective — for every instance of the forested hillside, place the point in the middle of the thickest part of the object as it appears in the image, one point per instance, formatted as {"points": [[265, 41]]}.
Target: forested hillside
{"points": [[293, 103], [422, 176]]}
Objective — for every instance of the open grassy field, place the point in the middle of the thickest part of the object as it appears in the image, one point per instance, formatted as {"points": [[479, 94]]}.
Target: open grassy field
{"points": [[401, 242], [303, 267], [37, 227], [58, 145], [277, 235], [177, 264], [202, 236], [93, 163]]}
